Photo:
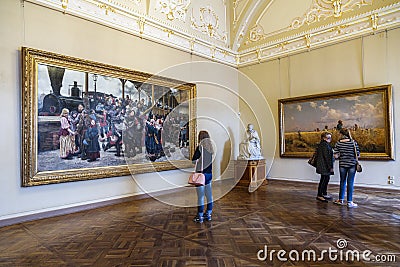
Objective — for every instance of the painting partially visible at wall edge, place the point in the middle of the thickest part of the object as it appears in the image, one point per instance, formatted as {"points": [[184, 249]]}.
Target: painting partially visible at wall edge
{"points": [[366, 112], [84, 120]]}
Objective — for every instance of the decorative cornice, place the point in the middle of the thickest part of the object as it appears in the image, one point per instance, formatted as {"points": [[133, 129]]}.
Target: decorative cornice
{"points": [[319, 11], [322, 9], [107, 8], [141, 21], [122, 15], [125, 18], [368, 23], [126, 4]]}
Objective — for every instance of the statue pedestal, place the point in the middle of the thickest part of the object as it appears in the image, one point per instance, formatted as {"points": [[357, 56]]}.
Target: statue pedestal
{"points": [[251, 172]]}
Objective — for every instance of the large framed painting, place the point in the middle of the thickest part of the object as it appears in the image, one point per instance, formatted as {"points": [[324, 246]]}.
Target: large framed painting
{"points": [[86, 120], [366, 112]]}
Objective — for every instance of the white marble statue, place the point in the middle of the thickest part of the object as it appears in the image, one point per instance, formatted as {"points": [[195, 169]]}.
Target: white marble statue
{"points": [[250, 148]]}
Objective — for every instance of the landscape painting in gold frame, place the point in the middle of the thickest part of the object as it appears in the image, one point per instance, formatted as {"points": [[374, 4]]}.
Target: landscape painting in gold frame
{"points": [[84, 120], [366, 112]]}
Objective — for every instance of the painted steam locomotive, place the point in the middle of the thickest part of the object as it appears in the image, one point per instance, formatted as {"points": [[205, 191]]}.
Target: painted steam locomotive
{"points": [[53, 103]]}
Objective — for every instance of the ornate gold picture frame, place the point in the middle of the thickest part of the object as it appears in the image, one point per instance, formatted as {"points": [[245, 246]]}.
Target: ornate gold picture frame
{"points": [[85, 120], [366, 112]]}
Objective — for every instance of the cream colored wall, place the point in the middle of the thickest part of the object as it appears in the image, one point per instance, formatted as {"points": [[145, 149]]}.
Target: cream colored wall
{"points": [[373, 60], [41, 28]]}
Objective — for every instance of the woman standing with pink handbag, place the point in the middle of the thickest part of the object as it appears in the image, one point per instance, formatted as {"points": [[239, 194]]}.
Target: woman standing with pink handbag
{"points": [[204, 153]]}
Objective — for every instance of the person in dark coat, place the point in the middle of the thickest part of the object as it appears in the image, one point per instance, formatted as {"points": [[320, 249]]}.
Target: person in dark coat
{"points": [[82, 127], [339, 125], [324, 165], [150, 140], [92, 140]]}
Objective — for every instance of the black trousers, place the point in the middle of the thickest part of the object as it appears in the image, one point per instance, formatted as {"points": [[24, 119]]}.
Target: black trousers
{"points": [[323, 185]]}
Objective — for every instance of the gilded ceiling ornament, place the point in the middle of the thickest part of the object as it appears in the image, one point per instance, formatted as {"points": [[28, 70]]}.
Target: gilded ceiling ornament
{"points": [[141, 22], [237, 59], [208, 23], [308, 40], [174, 9], [191, 42], [169, 32], [256, 33], [337, 8], [259, 54], [213, 50], [107, 8], [339, 29], [322, 9], [374, 21], [282, 45], [64, 4]]}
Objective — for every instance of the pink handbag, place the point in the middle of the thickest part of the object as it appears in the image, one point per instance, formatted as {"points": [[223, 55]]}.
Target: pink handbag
{"points": [[198, 178]]}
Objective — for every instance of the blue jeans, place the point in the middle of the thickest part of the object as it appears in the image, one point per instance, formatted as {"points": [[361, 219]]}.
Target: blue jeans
{"points": [[347, 175], [206, 191]]}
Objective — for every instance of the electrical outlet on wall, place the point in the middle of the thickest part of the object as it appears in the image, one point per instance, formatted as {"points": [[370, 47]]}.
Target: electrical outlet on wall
{"points": [[390, 179]]}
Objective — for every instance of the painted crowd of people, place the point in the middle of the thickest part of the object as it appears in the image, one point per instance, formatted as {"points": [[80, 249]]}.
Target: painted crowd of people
{"points": [[125, 125]]}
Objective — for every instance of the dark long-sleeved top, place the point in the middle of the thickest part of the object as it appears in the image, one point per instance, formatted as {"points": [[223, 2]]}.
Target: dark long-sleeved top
{"points": [[347, 158], [92, 137], [324, 158], [204, 163]]}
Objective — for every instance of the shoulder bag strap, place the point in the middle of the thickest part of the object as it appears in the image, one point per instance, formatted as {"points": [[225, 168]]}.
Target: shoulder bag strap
{"points": [[195, 167], [202, 159], [197, 162], [354, 145], [355, 150]]}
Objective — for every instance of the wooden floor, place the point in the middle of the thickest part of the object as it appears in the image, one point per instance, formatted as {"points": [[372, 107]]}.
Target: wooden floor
{"points": [[282, 216]]}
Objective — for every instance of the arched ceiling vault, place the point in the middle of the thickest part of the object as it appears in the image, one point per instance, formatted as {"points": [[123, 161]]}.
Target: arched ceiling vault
{"points": [[283, 27], [238, 32], [244, 17]]}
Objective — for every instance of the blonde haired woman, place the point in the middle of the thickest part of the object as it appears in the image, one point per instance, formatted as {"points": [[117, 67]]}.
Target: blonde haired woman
{"points": [[204, 156], [66, 145]]}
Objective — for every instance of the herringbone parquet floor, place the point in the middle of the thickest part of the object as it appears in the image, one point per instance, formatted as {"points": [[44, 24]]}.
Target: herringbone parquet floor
{"points": [[280, 216]]}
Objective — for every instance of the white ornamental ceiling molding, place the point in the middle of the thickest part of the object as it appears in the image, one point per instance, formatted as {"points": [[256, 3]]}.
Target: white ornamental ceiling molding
{"points": [[242, 28], [208, 23], [319, 11], [123, 16], [371, 22], [322, 9], [237, 11]]}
